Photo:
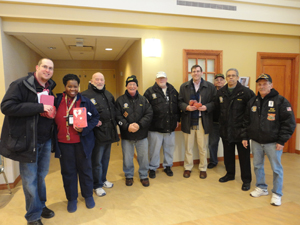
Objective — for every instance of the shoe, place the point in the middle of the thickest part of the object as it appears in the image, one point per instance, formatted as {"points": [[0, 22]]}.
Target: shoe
{"points": [[168, 171], [108, 184], [47, 213], [37, 222], [129, 181], [211, 165], [89, 202], [100, 192], [225, 179], [145, 182], [72, 206], [258, 192], [187, 173], [152, 174], [203, 174], [276, 200], [246, 186]]}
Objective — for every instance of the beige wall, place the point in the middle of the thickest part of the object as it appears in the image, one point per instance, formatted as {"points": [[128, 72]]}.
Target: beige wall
{"points": [[130, 64]]}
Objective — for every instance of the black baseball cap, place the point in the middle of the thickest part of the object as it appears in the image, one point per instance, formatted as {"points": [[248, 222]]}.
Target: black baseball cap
{"points": [[219, 75], [264, 76]]}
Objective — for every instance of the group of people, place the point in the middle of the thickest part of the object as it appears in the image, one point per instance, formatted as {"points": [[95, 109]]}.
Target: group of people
{"points": [[147, 123]]}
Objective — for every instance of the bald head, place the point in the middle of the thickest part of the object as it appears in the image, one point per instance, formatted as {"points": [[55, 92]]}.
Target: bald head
{"points": [[98, 80]]}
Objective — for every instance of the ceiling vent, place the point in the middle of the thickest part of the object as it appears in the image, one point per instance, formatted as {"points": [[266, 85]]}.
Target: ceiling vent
{"points": [[81, 48], [207, 5]]}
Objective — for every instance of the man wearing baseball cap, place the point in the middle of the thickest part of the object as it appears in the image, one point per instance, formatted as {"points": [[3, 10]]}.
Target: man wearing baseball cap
{"points": [[163, 98], [269, 122]]}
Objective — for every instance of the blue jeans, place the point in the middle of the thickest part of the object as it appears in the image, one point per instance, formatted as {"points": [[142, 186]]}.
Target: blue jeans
{"points": [[142, 157], [100, 160], [214, 137], [33, 181], [156, 141], [259, 151]]}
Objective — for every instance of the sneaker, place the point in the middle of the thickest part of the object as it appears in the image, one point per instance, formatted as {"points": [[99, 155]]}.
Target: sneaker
{"points": [[259, 192], [168, 171], [108, 184], [276, 200], [152, 174], [100, 192]]}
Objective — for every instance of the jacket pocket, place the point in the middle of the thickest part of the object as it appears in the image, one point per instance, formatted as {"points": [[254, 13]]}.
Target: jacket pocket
{"points": [[16, 144]]}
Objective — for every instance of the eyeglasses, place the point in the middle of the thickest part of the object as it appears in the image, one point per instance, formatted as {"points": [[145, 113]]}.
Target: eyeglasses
{"points": [[231, 75]]}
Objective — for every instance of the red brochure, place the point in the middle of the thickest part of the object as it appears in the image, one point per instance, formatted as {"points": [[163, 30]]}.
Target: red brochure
{"points": [[47, 99], [79, 117]]}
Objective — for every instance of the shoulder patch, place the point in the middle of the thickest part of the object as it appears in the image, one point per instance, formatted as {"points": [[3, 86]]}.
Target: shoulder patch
{"points": [[93, 101]]}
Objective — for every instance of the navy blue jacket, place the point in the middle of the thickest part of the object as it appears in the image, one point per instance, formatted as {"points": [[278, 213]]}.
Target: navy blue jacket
{"points": [[87, 137]]}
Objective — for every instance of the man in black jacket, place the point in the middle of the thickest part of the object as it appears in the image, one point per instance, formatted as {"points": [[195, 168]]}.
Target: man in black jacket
{"points": [[134, 115], [26, 135], [269, 123], [105, 132], [196, 120], [163, 98], [231, 102]]}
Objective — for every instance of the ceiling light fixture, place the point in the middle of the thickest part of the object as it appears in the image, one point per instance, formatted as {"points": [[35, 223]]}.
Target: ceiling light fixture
{"points": [[152, 47], [51, 48], [108, 49]]}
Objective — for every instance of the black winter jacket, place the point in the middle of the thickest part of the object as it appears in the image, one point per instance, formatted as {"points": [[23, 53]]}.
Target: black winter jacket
{"points": [[269, 120], [232, 109], [166, 112], [207, 93], [104, 102], [21, 109], [133, 110]]}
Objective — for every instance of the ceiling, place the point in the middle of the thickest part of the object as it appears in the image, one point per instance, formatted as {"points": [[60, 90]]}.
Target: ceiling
{"points": [[57, 47]]}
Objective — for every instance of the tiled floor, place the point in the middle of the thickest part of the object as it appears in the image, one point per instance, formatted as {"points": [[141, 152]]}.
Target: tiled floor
{"points": [[168, 200]]}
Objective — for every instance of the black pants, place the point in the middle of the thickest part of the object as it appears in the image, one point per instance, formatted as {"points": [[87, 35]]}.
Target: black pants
{"points": [[74, 163], [244, 158]]}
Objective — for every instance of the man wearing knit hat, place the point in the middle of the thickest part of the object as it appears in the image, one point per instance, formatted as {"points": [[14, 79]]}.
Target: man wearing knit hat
{"points": [[163, 98], [134, 115]]}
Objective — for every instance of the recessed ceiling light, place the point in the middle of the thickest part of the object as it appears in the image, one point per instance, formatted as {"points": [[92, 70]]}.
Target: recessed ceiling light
{"points": [[52, 48], [108, 49]]}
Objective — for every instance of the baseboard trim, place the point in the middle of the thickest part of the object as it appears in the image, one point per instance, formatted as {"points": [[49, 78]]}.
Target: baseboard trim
{"points": [[11, 185]]}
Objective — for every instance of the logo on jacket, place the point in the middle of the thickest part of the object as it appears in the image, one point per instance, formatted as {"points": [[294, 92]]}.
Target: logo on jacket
{"points": [[93, 101], [253, 109], [125, 114], [125, 106], [271, 104], [272, 110], [221, 99], [154, 96], [289, 109], [271, 116]]}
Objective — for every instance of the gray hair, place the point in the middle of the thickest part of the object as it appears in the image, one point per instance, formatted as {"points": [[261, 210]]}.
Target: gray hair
{"points": [[234, 69]]}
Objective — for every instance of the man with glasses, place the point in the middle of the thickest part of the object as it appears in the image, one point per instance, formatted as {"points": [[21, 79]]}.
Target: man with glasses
{"points": [[196, 103], [26, 135], [231, 102]]}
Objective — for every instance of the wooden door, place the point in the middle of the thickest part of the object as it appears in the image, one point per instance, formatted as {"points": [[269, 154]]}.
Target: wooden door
{"points": [[284, 70]]}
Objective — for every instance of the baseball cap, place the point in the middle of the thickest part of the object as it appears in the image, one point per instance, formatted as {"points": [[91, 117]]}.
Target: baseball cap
{"points": [[264, 76], [219, 75], [161, 74]]}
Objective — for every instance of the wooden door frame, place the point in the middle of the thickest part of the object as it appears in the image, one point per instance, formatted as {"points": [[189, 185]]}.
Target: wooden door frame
{"points": [[294, 88], [188, 52]]}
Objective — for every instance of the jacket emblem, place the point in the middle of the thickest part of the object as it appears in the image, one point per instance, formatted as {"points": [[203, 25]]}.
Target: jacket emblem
{"points": [[93, 101], [125, 114], [253, 109], [271, 116], [125, 106], [221, 99], [289, 109], [271, 104], [154, 96], [141, 104], [240, 99], [272, 110]]}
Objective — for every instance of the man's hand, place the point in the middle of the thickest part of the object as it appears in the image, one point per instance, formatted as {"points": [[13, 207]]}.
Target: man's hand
{"points": [[177, 124], [279, 147], [134, 127], [99, 124], [202, 108], [78, 129], [245, 143], [48, 108], [191, 108]]}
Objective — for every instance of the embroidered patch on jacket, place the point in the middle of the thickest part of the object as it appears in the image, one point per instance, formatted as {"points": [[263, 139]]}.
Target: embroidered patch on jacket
{"points": [[271, 103], [93, 101], [272, 110], [154, 96], [271, 116], [289, 109], [240, 99], [120, 123], [221, 99], [125, 114], [125, 106], [141, 104], [253, 109]]}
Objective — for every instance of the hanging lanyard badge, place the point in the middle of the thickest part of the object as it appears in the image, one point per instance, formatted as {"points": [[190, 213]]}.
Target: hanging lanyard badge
{"points": [[69, 118]]}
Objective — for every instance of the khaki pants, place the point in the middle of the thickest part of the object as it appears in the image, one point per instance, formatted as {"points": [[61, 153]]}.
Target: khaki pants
{"points": [[202, 142]]}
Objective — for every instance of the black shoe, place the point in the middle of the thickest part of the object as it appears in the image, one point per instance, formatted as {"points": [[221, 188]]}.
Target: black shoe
{"points": [[225, 179], [129, 181], [37, 222], [145, 182], [246, 186], [47, 213], [168, 171], [152, 174], [211, 165]]}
